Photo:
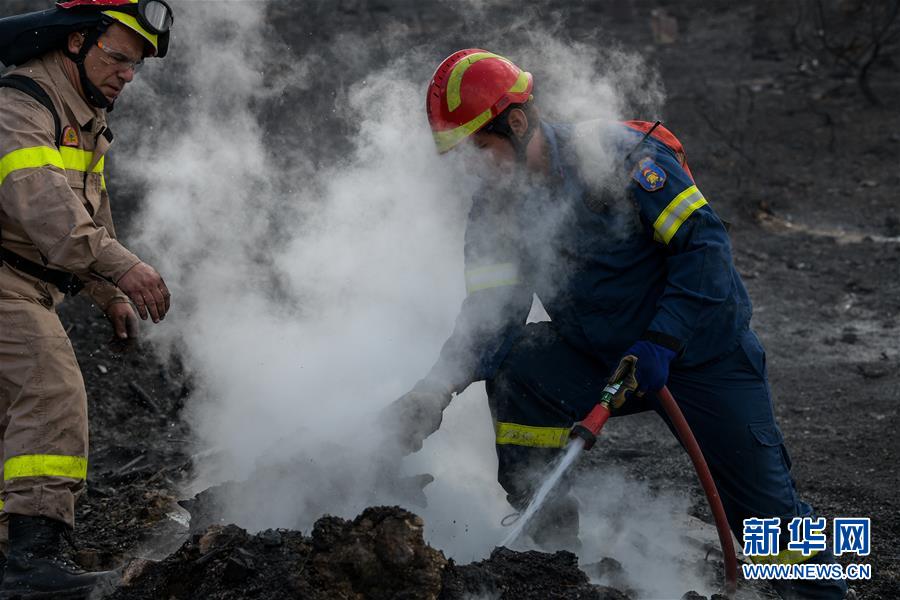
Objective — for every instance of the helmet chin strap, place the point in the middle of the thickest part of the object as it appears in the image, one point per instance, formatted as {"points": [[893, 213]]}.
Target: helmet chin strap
{"points": [[93, 94]]}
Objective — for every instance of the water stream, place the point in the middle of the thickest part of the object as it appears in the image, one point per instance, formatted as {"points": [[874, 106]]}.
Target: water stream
{"points": [[573, 450]]}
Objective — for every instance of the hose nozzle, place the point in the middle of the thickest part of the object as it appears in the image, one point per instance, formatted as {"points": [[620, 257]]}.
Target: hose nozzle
{"points": [[590, 427], [613, 396]]}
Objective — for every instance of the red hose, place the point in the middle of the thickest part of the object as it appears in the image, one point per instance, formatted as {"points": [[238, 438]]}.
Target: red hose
{"points": [[709, 487]]}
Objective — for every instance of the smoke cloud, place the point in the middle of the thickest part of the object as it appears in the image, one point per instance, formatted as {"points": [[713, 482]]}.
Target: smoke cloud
{"points": [[314, 252]]}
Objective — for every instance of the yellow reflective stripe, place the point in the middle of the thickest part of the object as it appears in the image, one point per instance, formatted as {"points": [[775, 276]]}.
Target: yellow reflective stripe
{"points": [[785, 557], [676, 213], [521, 83], [77, 159], [45, 465], [132, 23], [29, 158], [491, 276], [73, 159], [454, 83], [447, 139], [533, 437], [2, 504]]}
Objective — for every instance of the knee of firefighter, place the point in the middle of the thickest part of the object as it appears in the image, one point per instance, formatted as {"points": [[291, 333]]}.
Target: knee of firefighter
{"points": [[58, 369]]}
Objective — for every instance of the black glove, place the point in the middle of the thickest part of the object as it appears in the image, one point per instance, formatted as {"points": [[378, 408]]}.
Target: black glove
{"points": [[416, 414]]}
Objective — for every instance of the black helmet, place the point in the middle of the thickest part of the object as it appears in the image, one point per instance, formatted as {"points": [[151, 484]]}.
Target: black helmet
{"points": [[33, 34]]}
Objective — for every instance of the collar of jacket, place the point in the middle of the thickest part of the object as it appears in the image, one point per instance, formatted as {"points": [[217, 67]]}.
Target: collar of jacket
{"points": [[83, 112], [556, 166]]}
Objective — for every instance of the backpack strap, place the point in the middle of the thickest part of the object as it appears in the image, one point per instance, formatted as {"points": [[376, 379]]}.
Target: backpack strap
{"points": [[67, 283], [29, 86]]}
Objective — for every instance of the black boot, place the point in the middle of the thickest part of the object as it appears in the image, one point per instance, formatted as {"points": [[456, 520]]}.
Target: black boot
{"points": [[555, 526], [35, 568]]}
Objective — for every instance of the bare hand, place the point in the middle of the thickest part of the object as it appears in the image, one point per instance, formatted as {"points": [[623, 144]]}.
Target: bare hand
{"points": [[147, 290], [124, 320]]}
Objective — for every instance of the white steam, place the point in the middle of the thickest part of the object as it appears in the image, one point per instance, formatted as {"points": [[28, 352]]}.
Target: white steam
{"points": [[309, 291], [645, 532]]}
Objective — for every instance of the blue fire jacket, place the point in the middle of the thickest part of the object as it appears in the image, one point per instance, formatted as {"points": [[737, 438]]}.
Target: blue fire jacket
{"points": [[618, 243]]}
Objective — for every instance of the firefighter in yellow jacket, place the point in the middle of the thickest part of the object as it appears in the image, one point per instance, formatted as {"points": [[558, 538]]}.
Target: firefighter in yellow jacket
{"points": [[56, 238]]}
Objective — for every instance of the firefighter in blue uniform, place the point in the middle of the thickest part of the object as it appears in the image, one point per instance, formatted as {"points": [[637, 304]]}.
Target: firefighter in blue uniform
{"points": [[638, 264]]}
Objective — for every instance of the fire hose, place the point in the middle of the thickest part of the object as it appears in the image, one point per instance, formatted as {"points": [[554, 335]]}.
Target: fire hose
{"points": [[590, 427], [709, 486]]}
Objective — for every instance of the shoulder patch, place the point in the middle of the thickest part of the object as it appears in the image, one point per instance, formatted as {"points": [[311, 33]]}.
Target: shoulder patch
{"points": [[649, 175], [69, 137]]}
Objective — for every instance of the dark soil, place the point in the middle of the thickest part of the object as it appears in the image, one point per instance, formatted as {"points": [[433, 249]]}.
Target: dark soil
{"points": [[508, 574], [785, 144], [379, 555]]}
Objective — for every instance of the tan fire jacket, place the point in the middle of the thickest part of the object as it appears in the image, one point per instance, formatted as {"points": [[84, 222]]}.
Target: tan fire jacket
{"points": [[53, 200]]}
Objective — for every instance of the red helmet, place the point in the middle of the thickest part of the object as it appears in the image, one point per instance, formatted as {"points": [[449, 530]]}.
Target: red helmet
{"points": [[470, 89]]}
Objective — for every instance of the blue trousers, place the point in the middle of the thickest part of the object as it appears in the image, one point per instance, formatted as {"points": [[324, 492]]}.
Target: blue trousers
{"points": [[545, 385]]}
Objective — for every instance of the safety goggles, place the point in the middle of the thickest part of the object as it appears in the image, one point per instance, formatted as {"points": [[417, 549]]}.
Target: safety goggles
{"points": [[120, 59], [154, 15]]}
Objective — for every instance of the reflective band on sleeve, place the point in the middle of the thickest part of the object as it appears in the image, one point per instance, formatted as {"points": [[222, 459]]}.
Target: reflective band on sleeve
{"points": [[491, 276], [45, 465], [785, 557], [29, 158], [76, 159], [73, 159], [676, 213], [533, 437]]}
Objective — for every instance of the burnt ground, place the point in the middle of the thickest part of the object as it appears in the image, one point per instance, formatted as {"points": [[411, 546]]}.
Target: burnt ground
{"points": [[380, 554], [785, 143]]}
